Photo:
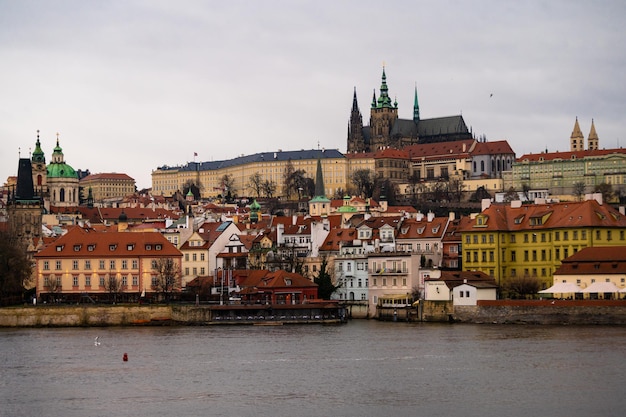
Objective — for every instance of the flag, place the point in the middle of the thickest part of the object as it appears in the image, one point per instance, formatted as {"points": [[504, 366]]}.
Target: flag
{"points": [[195, 154]]}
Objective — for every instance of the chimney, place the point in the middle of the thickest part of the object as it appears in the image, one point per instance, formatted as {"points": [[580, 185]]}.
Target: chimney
{"points": [[419, 216], [451, 216], [431, 216], [622, 211], [485, 204]]}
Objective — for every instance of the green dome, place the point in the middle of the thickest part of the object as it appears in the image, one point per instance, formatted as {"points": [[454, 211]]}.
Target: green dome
{"points": [[61, 170]]}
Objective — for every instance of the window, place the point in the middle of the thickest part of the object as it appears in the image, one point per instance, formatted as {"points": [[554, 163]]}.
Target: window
{"points": [[525, 237], [598, 234], [124, 264], [491, 256], [75, 280], [468, 256], [46, 265], [87, 281], [557, 236], [608, 235], [476, 239], [525, 256], [565, 235], [101, 264], [484, 256], [102, 280], [135, 280], [124, 281], [513, 256], [512, 239], [467, 240], [135, 264], [130, 247], [534, 256], [112, 264], [87, 264], [58, 265], [557, 254]]}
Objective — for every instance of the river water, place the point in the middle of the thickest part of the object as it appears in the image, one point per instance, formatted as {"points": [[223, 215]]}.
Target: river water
{"points": [[363, 368]]}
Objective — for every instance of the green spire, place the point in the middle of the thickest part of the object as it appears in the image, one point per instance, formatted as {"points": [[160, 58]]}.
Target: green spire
{"points": [[38, 155], [384, 100], [416, 108]]}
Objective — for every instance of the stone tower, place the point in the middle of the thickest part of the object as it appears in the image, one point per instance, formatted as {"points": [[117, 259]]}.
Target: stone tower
{"points": [[577, 140], [593, 138], [382, 117]]}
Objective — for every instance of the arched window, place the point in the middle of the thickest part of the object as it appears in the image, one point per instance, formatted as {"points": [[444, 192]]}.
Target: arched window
{"points": [[62, 195], [482, 166]]}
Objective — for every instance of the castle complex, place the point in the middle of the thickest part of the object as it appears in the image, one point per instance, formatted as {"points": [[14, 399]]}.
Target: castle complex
{"points": [[387, 130]]}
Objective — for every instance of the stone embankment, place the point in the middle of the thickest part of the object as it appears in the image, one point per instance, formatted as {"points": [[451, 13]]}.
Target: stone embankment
{"points": [[608, 312]]}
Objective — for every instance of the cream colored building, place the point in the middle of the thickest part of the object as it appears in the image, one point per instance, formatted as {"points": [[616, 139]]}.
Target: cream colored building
{"points": [[270, 165], [107, 185]]}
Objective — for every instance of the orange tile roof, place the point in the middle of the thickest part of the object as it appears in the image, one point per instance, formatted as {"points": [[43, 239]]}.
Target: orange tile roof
{"points": [[81, 242], [590, 213], [595, 260], [411, 228], [492, 148], [439, 150]]}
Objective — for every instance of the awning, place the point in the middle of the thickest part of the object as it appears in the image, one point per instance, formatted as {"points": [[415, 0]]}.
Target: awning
{"points": [[601, 287], [562, 288]]}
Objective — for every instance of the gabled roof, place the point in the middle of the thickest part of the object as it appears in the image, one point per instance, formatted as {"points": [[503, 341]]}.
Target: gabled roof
{"points": [[337, 238], [81, 242], [597, 260], [492, 148], [441, 150], [112, 214], [503, 217], [422, 229], [275, 280]]}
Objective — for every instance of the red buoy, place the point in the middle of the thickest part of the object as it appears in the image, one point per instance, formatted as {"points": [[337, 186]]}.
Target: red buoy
{"points": [[125, 358]]}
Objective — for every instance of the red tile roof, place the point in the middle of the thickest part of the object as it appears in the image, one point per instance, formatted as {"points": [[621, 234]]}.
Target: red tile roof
{"points": [[438, 150], [596, 260], [590, 213], [81, 242], [492, 148], [551, 156]]}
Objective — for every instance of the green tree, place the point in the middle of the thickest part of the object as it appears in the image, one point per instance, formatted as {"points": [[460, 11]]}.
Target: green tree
{"points": [[168, 277], [15, 269], [325, 286]]}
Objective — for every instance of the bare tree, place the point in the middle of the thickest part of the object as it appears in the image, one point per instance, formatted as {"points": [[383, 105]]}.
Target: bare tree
{"points": [[168, 277], [606, 190], [268, 188], [364, 181], [227, 183], [113, 286], [522, 286], [511, 195], [456, 188], [255, 183], [578, 190]]}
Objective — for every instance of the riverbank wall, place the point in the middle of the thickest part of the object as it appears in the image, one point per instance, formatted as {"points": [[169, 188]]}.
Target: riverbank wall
{"points": [[145, 315], [562, 312]]}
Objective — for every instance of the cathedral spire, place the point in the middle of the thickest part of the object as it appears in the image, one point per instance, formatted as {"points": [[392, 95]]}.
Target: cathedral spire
{"points": [[416, 107], [384, 100]]}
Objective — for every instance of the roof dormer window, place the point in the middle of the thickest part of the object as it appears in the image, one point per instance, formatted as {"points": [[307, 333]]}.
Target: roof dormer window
{"points": [[112, 247], [77, 248]]}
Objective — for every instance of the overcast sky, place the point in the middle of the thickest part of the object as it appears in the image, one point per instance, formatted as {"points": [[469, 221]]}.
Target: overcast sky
{"points": [[134, 85]]}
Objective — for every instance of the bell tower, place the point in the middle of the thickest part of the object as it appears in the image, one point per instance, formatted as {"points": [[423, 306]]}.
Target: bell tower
{"points": [[382, 117]]}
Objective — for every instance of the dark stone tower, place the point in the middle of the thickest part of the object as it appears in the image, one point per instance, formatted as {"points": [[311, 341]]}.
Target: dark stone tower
{"points": [[356, 141], [24, 208], [383, 115]]}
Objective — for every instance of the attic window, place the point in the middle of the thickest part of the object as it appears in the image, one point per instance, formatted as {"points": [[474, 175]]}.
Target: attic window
{"points": [[158, 247], [518, 220], [90, 248], [287, 281], [536, 221], [112, 247], [148, 247], [435, 230], [59, 248], [420, 230], [77, 248], [130, 246]]}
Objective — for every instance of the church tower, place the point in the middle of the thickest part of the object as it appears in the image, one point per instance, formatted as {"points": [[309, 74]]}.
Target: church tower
{"points": [[593, 138], [382, 117], [416, 108], [24, 208], [577, 140], [38, 165], [356, 142], [62, 180]]}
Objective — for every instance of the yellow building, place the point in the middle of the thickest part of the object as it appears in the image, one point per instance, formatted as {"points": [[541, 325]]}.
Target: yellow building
{"points": [[107, 185], [269, 165], [515, 240]]}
